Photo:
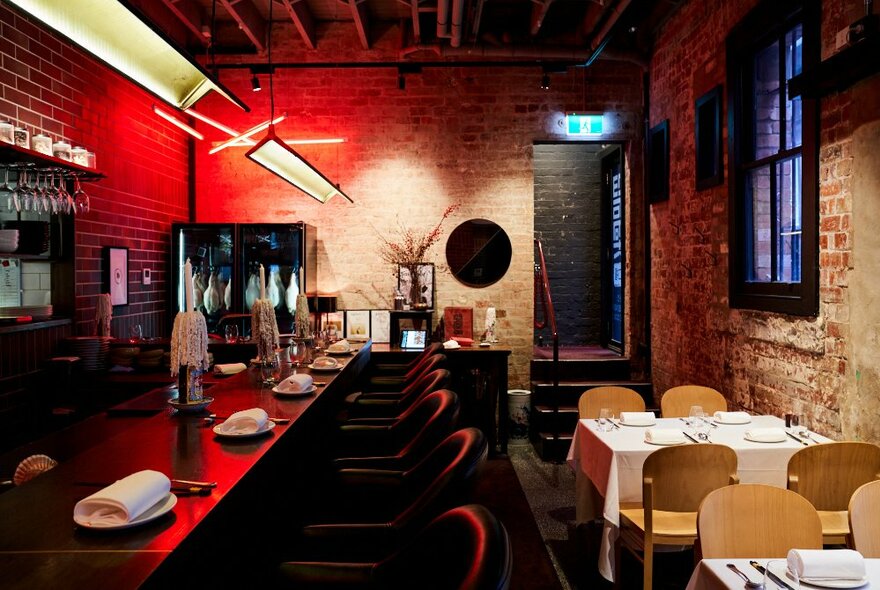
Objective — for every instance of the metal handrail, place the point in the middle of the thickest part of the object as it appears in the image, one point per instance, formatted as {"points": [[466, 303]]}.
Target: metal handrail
{"points": [[549, 314]]}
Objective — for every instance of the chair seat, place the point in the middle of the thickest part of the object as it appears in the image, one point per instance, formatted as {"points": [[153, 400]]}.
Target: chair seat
{"points": [[680, 525], [834, 522]]}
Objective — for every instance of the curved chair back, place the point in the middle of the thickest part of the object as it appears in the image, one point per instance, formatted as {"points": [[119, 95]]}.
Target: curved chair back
{"points": [[431, 364], [680, 477], [863, 521], [427, 383], [847, 464], [417, 365], [619, 399], [747, 520], [677, 401], [423, 425]]}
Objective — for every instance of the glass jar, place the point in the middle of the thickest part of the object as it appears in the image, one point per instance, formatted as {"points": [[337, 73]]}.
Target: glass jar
{"points": [[22, 138], [90, 160], [7, 132], [61, 150], [42, 143], [80, 156]]}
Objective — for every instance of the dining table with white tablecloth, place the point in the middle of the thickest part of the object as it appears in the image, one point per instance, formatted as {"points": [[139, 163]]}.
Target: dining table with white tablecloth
{"points": [[610, 462], [713, 574]]}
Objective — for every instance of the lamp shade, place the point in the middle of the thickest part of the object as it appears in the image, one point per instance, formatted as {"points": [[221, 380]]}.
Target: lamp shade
{"points": [[280, 159], [118, 36]]}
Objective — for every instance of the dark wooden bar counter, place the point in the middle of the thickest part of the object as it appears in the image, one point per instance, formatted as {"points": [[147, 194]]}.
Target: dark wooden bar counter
{"points": [[230, 537]]}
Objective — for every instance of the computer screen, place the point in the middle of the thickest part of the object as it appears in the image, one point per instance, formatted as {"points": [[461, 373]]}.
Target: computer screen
{"points": [[413, 339]]}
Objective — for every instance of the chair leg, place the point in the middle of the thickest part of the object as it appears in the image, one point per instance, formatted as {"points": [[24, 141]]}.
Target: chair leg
{"points": [[616, 569], [648, 562]]}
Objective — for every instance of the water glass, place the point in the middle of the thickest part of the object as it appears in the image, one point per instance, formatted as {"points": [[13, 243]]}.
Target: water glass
{"points": [[605, 419], [779, 567], [231, 334], [270, 370], [695, 414]]}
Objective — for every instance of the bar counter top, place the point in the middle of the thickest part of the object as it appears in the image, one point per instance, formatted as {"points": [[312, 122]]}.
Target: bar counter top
{"points": [[217, 537]]}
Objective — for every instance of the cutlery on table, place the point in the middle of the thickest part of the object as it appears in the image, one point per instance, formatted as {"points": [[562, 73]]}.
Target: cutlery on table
{"points": [[180, 490], [690, 437], [198, 484], [275, 420], [803, 442], [779, 581], [749, 582]]}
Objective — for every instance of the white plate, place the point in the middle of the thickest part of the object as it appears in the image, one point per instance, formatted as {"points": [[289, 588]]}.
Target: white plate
{"points": [[340, 353], [283, 393], [733, 423], [269, 425], [781, 570], [781, 440], [191, 407], [325, 369], [622, 423], [155, 511], [666, 444]]}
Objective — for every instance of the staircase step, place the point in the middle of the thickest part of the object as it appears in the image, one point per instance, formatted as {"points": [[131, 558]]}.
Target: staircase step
{"points": [[569, 392], [581, 369], [544, 418], [551, 447]]}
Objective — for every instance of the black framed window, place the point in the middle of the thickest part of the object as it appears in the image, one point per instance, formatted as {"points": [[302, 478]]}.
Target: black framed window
{"points": [[773, 146]]}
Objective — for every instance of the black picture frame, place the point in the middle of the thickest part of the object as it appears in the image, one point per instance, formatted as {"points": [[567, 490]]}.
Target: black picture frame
{"points": [[707, 140], [116, 274], [657, 149], [426, 274]]}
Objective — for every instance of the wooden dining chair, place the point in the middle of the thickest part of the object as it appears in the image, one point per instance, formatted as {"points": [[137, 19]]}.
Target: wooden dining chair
{"points": [[618, 399], [864, 524], [677, 401], [750, 520], [674, 482], [827, 475]]}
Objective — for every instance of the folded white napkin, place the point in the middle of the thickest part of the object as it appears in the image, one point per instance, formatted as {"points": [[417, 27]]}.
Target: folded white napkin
{"points": [[341, 346], [821, 564], [296, 383], [230, 369], [733, 417], [245, 422], [771, 434], [451, 345], [123, 501], [325, 362], [637, 418], [664, 436]]}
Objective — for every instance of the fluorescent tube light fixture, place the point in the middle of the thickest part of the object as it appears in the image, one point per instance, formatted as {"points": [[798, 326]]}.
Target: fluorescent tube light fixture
{"points": [[115, 34], [252, 131], [175, 121], [280, 159]]}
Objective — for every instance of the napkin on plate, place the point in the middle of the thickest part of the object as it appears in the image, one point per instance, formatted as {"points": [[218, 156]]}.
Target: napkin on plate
{"points": [[733, 417], [295, 383], [637, 418], [821, 564], [245, 422], [341, 346], [123, 501], [324, 362], [766, 434], [230, 369], [451, 345], [664, 436]]}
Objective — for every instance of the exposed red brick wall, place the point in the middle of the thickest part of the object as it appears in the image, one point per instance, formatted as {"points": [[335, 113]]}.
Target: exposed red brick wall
{"points": [[49, 86], [761, 361], [454, 135]]}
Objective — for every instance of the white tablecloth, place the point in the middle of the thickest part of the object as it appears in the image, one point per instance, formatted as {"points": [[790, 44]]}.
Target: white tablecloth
{"points": [[613, 461], [713, 574]]}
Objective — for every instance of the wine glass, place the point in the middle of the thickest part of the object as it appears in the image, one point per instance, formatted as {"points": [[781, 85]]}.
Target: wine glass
{"points": [[231, 334], [7, 189], [136, 332], [269, 368], [80, 198]]}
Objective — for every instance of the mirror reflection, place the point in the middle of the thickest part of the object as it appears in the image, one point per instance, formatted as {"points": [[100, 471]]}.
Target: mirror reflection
{"points": [[478, 252]]}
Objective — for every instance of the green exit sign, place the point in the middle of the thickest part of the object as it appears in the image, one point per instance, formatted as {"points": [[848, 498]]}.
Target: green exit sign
{"points": [[583, 124]]}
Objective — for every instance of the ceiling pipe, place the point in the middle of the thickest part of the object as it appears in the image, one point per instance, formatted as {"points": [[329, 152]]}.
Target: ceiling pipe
{"points": [[600, 38], [443, 19], [457, 17], [513, 52]]}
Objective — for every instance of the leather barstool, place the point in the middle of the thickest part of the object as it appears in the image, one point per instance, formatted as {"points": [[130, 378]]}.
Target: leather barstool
{"points": [[431, 363], [465, 548], [389, 376], [380, 405]]}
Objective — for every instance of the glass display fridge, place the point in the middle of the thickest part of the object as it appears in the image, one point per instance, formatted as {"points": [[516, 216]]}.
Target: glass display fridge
{"points": [[226, 259]]}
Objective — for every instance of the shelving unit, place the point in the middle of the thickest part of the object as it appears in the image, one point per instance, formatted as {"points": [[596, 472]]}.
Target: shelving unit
{"points": [[12, 155]]}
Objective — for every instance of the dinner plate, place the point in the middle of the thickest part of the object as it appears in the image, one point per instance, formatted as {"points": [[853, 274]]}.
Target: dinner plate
{"points": [[622, 423], [781, 440], [155, 511], [325, 369], [283, 393], [191, 407], [269, 425], [339, 353], [666, 444], [731, 423], [782, 571]]}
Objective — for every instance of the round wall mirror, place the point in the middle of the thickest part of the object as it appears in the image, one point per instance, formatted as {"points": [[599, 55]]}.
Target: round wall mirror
{"points": [[478, 252]]}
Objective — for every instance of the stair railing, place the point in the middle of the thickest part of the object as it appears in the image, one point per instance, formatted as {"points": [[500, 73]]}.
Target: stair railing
{"points": [[548, 319]]}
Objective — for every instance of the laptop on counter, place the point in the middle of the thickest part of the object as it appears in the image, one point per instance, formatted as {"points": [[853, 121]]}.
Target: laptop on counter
{"points": [[413, 339]]}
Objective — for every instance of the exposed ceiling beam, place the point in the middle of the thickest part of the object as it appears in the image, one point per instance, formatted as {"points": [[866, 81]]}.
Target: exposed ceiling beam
{"points": [[361, 20], [539, 11], [302, 17], [249, 20], [190, 14], [416, 24]]}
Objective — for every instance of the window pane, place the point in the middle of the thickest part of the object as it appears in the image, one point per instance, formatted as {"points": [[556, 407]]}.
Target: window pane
{"points": [[793, 66], [788, 228], [759, 220], [766, 121]]}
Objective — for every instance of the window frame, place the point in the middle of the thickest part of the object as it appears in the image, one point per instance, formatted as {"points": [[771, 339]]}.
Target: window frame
{"points": [[769, 21]]}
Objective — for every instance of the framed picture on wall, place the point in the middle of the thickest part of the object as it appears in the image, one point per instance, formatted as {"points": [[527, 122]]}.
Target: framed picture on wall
{"points": [[658, 162], [707, 127], [458, 322], [380, 326], [357, 324], [333, 321], [423, 291], [116, 274]]}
